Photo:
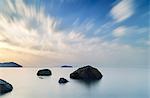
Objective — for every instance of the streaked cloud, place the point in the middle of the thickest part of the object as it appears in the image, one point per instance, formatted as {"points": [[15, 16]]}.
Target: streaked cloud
{"points": [[32, 34], [120, 31], [23, 24], [123, 10]]}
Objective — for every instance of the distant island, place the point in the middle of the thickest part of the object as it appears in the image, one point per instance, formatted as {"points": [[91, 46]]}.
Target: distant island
{"points": [[66, 66], [9, 64]]}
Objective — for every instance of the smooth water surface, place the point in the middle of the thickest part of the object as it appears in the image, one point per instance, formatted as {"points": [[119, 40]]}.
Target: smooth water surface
{"points": [[116, 83]]}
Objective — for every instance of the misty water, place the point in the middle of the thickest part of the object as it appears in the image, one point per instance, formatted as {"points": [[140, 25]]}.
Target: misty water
{"points": [[116, 83]]}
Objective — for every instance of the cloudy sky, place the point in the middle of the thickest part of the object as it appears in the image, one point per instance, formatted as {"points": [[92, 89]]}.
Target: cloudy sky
{"points": [[111, 33]]}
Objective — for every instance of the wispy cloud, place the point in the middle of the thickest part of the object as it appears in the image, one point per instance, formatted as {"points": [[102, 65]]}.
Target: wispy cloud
{"points": [[123, 10], [25, 29], [23, 24], [120, 31]]}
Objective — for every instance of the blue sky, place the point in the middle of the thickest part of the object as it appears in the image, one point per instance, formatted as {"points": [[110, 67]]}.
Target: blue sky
{"points": [[108, 32], [93, 14]]}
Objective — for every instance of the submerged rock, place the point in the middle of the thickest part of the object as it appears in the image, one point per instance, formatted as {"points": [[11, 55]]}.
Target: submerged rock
{"points": [[5, 87], [86, 73], [9, 64], [63, 80], [44, 72]]}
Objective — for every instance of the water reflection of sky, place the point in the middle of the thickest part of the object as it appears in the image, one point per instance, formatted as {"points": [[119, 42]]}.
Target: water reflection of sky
{"points": [[116, 83]]}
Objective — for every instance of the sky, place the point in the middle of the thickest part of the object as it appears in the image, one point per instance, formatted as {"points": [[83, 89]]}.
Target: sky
{"points": [[109, 33]]}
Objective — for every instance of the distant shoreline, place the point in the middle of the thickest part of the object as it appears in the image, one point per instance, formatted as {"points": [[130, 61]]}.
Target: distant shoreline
{"points": [[9, 64]]}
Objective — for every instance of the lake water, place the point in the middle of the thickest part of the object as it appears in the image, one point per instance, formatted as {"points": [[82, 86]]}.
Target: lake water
{"points": [[116, 83]]}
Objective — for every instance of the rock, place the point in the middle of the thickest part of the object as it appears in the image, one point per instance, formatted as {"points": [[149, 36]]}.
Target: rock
{"points": [[63, 80], [9, 64], [5, 87], [67, 66], [86, 73], [44, 72]]}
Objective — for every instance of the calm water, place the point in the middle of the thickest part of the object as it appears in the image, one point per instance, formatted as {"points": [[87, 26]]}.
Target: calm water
{"points": [[116, 83]]}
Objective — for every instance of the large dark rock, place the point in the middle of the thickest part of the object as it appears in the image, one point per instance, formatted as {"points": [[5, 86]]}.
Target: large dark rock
{"points": [[9, 64], [63, 80], [86, 73], [44, 72], [5, 87]]}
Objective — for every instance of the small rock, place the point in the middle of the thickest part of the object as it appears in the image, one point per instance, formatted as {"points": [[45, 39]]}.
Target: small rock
{"points": [[5, 87], [63, 80], [44, 72]]}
